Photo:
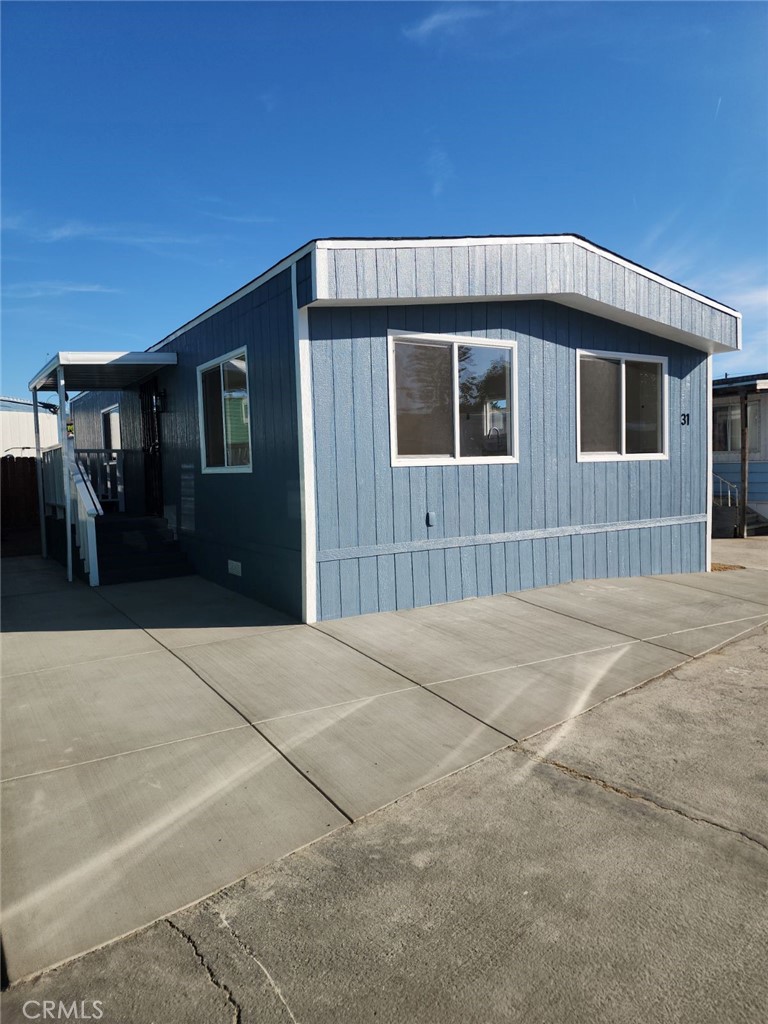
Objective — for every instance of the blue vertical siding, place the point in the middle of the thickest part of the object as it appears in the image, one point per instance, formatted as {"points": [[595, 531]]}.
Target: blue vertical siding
{"points": [[510, 268], [757, 479], [372, 514]]}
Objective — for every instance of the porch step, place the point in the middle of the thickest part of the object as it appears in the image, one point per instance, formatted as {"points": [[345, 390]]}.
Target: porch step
{"points": [[134, 548], [725, 520]]}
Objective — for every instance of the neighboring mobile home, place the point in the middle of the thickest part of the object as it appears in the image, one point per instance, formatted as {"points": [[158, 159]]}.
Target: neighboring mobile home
{"points": [[17, 427], [729, 394], [375, 424]]}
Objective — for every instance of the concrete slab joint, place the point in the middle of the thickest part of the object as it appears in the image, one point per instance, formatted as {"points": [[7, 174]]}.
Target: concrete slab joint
{"points": [[161, 742]]}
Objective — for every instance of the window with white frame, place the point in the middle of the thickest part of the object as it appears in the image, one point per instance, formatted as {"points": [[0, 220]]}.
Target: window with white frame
{"points": [[225, 435], [726, 426], [110, 428], [621, 402], [452, 400]]}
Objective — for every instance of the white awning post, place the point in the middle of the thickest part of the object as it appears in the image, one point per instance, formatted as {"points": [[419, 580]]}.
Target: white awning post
{"points": [[65, 467], [39, 474]]}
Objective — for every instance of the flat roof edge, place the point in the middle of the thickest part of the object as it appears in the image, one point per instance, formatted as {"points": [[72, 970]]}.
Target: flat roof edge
{"points": [[100, 359]]}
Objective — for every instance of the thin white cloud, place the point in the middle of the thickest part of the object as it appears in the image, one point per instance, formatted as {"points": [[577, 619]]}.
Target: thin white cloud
{"points": [[138, 235], [52, 289], [751, 359], [446, 21], [754, 300], [242, 219], [268, 100], [660, 228], [440, 170]]}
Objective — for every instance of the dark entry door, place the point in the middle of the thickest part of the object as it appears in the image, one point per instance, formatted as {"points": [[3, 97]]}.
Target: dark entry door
{"points": [[150, 443]]}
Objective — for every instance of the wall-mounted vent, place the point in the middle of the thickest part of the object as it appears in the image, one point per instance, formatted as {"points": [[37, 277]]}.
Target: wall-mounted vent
{"points": [[235, 568]]}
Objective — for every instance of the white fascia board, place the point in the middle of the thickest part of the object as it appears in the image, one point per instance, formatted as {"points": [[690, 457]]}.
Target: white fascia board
{"points": [[642, 323], [436, 243], [44, 374], [574, 301], [64, 359], [278, 268]]}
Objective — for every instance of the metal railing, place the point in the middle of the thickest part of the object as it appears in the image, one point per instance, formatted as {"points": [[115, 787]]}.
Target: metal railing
{"points": [[724, 493], [66, 481], [104, 467]]}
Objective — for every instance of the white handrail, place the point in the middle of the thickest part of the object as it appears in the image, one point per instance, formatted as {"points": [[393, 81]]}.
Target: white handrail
{"points": [[93, 505], [104, 466], [722, 482], [85, 508], [84, 504]]}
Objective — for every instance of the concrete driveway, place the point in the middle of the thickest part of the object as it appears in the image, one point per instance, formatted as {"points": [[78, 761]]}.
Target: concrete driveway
{"points": [[163, 740]]}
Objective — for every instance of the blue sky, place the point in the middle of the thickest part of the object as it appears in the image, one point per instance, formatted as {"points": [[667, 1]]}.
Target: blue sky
{"points": [[159, 155]]}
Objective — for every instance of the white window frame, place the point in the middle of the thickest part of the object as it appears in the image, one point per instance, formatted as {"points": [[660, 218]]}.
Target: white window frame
{"points": [[237, 353], [111, 408], [729, 402], [455, 340], [623, 455]]}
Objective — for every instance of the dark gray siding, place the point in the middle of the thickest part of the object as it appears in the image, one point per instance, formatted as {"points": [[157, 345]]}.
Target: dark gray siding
{"points": [[498, 527], [566, 269], [304, 290], [86, 417], [253, 518]]}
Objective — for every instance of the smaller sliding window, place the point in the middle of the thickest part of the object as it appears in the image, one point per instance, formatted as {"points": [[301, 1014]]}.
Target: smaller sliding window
{"points": [[452, 400], [621, 406], [225, 433]]}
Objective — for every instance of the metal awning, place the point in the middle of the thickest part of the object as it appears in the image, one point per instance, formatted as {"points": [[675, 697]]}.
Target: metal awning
{"points": [[100, 371], [750, 383]]}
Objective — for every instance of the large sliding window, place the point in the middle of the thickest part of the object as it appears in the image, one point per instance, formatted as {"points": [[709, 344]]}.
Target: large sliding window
{"points": [[621, 401], [451, 400], [225, 432], [726, 426]]}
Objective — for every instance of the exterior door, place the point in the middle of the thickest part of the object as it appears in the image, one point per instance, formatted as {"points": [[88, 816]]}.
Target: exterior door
{"points": [[150, 444]]}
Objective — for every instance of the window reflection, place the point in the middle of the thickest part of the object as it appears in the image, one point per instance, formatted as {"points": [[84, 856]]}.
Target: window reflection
{"points": [[485, 404]]}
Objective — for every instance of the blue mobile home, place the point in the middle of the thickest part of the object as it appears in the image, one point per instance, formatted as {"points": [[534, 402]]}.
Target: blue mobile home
{"points": [[732, 397], [376, 424]]}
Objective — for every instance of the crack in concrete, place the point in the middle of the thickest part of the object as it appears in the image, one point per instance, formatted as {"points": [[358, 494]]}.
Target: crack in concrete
{"points": [[633, 795], [252, 955], [216, 982]]}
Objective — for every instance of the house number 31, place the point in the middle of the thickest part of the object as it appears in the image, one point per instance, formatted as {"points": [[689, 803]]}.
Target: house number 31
{"points": [[685, 418]]}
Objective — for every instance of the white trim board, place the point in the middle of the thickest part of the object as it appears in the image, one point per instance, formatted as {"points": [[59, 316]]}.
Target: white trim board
{"points": [[623, 456], [200, 370], [257, 282], [303, 371], [61, 360], [455, 340], [569, 299]]}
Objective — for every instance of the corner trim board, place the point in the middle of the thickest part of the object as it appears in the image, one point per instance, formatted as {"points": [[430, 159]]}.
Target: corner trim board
{"points": [[303, 368]]}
